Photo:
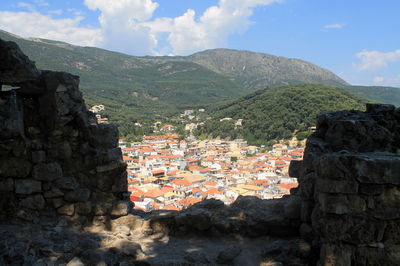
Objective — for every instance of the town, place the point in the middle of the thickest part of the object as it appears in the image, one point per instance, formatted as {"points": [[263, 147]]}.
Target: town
{"points": [[166, 172]]}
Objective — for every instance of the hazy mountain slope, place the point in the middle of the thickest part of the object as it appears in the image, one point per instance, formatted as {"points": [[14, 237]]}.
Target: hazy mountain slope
{"points": [[382, 94], [278, 112], [109, 74], [258, 71]]}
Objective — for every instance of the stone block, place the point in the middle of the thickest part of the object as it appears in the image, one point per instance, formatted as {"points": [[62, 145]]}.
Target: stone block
{"points": [[341, 204], [47, 171], [104, 136], [83, 208], [67, 183], [306, 210], [15, 167], [102, 208], [292, 207], [6, 185], [79, 194], [121, 208], [110, 167], [57, 202], [133, 222], [336, 186], [38, 156], [295, 168], [35, 202], [64, 150], [68, 209], [371, 189], [27, 186], [335, 255], [53, 193], [377, 168]]}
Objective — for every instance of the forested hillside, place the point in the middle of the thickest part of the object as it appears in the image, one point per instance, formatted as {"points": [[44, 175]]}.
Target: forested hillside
{"points": [[278, 113]]}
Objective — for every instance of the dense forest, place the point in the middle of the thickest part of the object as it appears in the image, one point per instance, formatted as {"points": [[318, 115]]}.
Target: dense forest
{"points": [[277, 113]]}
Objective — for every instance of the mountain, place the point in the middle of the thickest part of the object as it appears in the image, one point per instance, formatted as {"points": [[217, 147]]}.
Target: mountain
{"points": [[277, 113], [143, 87], [390, 95], [258, 71]]}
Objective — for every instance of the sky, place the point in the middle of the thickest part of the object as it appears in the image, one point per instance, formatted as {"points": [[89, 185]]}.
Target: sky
{"points": [[358, 40]]}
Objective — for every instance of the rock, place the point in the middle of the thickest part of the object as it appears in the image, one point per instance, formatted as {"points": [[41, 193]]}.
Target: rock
{"points": [[67, 209], [104, 136], [121, 208], [14, 167], [114, 155], [35, 202], [209, 204], [110, 167], [122, 229], [289, 252], [67, 183], [292, 207], [53, 193], [83, 208], [64, 150], [131, 221], [27, 186], [306, 232], [379, 108], [128, 248], [197, 257], [57, 202], [38, 156], [47, 171], [199, 219], [6, 185], [16, 66], [295, 168], [75, 262], [88, 243], [102, 208], [228, 255], [80, 194]]}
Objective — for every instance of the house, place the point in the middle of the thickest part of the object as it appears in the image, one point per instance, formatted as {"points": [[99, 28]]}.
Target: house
{"points": [[167, 128]]}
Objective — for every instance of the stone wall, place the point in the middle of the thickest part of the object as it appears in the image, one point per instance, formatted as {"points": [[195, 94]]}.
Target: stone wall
{"points": [[54, 158], [350, 185]]}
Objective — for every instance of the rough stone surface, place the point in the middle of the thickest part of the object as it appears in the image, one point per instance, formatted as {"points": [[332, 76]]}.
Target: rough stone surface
{"points": [[15, 66], [35, 202], [27, 186], [350, 183], [80, 194], [47, 171], [51, 147], [67, 209], [6, 185], [121, 208], [228, 255]]}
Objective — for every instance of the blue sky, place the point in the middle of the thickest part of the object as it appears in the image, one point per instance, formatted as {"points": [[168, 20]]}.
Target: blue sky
{"points": [[357, 39]]}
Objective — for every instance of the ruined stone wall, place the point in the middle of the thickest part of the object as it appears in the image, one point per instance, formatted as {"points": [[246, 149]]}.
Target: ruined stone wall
{"points": [[54, 158], [350, 185]]}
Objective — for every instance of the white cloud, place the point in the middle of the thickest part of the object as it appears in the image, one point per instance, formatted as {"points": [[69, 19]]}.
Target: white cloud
{"points": [[55, 12], [128, 26], [34, 24], [26, 6], [122, 24], [335, 26], [376, 59], [211, 30]]}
